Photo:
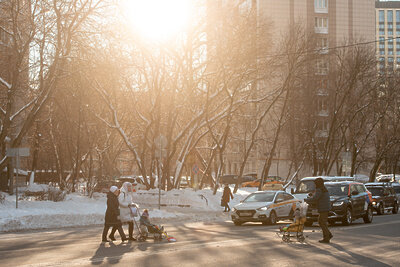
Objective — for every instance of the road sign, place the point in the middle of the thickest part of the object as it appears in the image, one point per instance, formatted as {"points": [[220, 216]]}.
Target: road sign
{"points": [[195, 169], [18, 152]]}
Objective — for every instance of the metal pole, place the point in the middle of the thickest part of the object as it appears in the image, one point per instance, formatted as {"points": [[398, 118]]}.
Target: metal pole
{"points": [[16, 184], [159, 180]]}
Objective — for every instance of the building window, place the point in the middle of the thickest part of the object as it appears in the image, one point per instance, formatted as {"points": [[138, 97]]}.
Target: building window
{"points": [[322, 125], [323, 42], [382, 16], [321, 3], [390, 16], [321, 6], [398, 61], [390, 47], [390, 22], [322, 67], [322, 105], [397, 47], [321, 25], [321, 22], [390, 63], [381, 28], [381, 45]]}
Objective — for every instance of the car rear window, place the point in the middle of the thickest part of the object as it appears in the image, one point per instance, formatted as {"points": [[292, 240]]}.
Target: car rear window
{"points": [[376, 191], [306, 187], [260, 197], [338, 190]]}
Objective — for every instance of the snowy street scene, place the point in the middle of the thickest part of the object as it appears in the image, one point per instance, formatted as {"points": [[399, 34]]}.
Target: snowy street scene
{"points": [[199, 133]]}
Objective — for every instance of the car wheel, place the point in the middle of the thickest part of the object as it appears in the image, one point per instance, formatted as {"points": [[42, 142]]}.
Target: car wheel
{"points": [[237, 223], [308, 223], [347, 219], [381, 209], [395, 208], [368, 215], [272, 218]]}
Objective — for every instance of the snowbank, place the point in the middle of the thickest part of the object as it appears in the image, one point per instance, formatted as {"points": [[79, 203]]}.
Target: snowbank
{"points": [[77, 210]]}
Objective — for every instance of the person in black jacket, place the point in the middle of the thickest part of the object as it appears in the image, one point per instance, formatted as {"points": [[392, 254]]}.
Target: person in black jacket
{"points": [[322, 199], [112, 214]]}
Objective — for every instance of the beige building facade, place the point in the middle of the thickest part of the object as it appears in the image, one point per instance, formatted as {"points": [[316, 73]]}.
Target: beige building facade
{"points": [[387, 32], [335, 23]]}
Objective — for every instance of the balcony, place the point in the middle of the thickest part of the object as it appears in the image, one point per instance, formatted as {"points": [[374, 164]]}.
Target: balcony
{"points": [[323, 113], [321, 10], [321, 30]]}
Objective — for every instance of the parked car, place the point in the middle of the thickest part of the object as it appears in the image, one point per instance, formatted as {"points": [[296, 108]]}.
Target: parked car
{"points": [[384, 197], [228, 179], [232, 179], [388, 178], [349, 201], [269, 179], [307, 185], [265, 207], [184, 182], [396, 188], [137, 182], [103, 186]]}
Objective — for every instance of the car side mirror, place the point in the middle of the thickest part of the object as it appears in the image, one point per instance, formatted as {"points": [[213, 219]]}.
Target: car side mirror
{"points": [[354, 193]]}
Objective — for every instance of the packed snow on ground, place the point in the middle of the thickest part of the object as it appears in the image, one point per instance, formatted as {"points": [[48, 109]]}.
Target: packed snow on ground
{"points": [[78, 210]]}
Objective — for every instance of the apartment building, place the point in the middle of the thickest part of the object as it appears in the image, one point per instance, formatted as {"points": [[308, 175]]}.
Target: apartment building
{"points": [[334, 23], [388, 34]]}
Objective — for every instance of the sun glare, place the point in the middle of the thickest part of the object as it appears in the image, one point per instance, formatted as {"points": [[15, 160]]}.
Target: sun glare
{"points": [[157, 19]]}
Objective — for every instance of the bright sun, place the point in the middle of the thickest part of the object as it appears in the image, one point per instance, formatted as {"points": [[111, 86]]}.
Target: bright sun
{"points": [[158, 19]]}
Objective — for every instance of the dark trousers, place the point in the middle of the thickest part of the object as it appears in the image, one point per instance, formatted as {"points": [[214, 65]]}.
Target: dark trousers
{"points": [[323, 223], [116, 227], [130, 229], [226, 206]]}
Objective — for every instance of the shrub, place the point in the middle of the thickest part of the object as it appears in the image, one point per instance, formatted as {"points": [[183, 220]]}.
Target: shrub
{"points": [[55, 194], [2, 197]]}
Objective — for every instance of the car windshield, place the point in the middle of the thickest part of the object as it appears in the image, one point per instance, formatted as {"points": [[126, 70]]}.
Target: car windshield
{"points": [[260, 197], [337, 190], [306, 187], [375, 191]]}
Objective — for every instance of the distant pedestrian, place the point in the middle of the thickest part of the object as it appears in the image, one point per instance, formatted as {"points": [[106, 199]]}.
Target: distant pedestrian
{"points": [[112, 214], [226, 196], [125, 200], [322, 199]]}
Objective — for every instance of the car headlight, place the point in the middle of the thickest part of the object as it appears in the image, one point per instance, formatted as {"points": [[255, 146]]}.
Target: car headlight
{"points": [[263, 208], [336, 204], [373, 202], [233, 209]]}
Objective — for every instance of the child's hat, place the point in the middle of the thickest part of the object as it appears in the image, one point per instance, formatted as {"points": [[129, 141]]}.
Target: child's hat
{"points": [[113, 189]]}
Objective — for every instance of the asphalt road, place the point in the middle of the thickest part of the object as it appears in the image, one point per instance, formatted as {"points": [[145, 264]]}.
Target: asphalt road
{"points": [[209, 244]]}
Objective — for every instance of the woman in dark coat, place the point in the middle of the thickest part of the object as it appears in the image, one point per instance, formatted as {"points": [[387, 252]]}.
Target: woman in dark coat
{"points": [[322, 199], [112, 214], [226, 196]]}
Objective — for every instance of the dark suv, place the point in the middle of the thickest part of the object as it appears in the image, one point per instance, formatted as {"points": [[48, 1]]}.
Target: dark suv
{"points": [[383, 197], [349, 201]]}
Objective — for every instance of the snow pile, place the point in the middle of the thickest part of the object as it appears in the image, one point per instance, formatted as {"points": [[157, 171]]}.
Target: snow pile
{"points": [[78, 210], [37, 188]]}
